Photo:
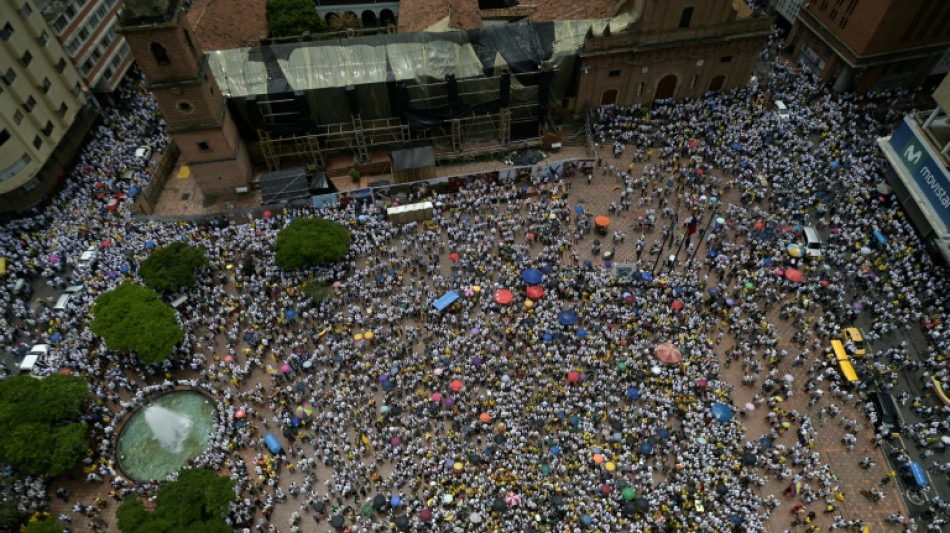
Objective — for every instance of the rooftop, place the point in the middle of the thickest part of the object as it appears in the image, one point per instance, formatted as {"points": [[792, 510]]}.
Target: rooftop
{"points": [[146, 12], [227, 24], [441, 15]]}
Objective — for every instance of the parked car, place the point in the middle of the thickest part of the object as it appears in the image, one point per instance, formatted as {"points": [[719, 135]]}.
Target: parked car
{"points": [[63, 301], [144, 153]]}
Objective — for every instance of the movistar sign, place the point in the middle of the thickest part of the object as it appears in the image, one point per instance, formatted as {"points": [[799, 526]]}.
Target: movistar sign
{"points": [[931, 178]]}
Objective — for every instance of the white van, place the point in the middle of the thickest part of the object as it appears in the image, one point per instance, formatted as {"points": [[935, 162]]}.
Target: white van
{"points": [[812, 242], [782, 109], [36, 353]]}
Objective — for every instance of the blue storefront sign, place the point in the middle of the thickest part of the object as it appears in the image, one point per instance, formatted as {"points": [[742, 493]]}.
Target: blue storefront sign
{"points": [[931, 178]]}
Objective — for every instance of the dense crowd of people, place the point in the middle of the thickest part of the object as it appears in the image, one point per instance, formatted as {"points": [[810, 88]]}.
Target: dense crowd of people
{"points": [[597, 403]]}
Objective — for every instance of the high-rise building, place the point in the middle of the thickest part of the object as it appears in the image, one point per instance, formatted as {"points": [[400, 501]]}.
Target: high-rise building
{"points": [[870, 45], [45, 111], [86, 28]]}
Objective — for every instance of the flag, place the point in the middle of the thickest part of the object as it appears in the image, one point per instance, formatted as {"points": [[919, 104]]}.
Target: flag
{"points": [[796, 488], [691, 227]]}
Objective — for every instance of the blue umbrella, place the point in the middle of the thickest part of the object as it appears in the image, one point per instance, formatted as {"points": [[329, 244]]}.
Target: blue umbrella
{"points": [[574, 420], [123, 269], [248, 337], [295, 422], [736, 519], [587, 263], [532, 276], [388, 385], [55, 337], [713, 253], [290, 314], [547, 337], [713, 290], [579, 210], [835, 164], [150, 244], [586, 520], [567, 318], [555, 450], [547, 269], [646, 276], [678, 291], [582, 333], [133, 191], [560, 415], [767, 261], [380, 278], [735, 146], [663, 433], [633, 393], [395, 501], [765, 442], [721, 412], [646, 448]]}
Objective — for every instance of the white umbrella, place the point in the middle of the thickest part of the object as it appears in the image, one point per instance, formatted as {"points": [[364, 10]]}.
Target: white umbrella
{"points": [[750, 407], [788, 378], [475, 518]]}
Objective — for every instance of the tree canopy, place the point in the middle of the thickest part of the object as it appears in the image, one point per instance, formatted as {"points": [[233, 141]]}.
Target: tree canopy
{"points": [[197, 501], [40, 419], [131, 318], [311, 241], [288, 18], [47, 524], [172, 267]]}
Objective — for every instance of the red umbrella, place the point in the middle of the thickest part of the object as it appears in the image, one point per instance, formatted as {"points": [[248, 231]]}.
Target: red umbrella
{"points": [[456, 385], [573, 376], [535, 292], [454, 256], [605, 489], [267, 214], [425, 515], [503, 296], [693, 143], [794, 275], [669, 354], [700, 171], [241, 413], [677, 305], [759, 225]]}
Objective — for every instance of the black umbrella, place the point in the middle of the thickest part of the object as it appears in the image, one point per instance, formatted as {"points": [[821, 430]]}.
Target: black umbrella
{"points": [[499, 505], [616, 425], [379, 501], [395, 411], [749, 458], [642, 504], [722, 489], [337, 521], [402, 522], [318, 506], [500, 438], [557, 501], [629, 509]]}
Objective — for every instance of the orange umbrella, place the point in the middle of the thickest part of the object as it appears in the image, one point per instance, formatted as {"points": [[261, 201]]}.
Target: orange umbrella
{"points": [[669, 354], [456, 385], [602, 221], [485, 418], [794, 275], [598, 458]]}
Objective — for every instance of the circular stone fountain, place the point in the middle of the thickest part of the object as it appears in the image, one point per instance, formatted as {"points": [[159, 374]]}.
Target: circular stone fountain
{"points": [[164, 434]]}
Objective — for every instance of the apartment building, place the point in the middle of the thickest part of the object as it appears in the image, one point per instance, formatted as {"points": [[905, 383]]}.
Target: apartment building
{"points": [[86, 28], [45, 109]]}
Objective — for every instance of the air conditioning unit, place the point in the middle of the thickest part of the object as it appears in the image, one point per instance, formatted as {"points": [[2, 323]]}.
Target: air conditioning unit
{"points": [[241, 190]]}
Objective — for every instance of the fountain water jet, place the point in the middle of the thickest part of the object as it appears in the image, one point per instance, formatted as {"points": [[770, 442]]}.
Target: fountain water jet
{"points": [[170, 428]]}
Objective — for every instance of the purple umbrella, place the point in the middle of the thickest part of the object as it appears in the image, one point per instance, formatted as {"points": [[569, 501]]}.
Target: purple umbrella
{"points": [[384, 377], [478, 361], [449, 401], [395, 441]]}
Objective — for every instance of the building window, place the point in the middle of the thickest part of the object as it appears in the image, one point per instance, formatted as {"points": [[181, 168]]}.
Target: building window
{"points": [[9, 77], [26, 11], [26, 58], [725, 59], [204, 146], [60, 24], [686, 17], [17, 117], [63, 109], [30, 104], [185, 107], [16, 167], [76, 89], [613, 74], [4, 137], [48, 130], [640, 89], [43, 38], [46, 85], [37, 142], [160, 54], [61, 65], [6, 32]]}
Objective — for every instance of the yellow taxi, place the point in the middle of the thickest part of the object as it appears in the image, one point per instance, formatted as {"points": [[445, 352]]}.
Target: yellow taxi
{"points": [[854, 335]]}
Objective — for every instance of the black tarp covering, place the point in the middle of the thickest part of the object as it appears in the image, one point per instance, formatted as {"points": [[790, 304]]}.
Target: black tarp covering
{"points": [[523, 46], [289, 184], [409, 157]]}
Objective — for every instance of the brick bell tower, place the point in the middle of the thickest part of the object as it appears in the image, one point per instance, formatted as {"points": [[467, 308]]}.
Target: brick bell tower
{"points": [[178, 75]]}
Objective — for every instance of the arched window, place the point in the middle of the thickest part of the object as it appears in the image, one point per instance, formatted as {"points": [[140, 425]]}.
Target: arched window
{"points": [[160, 55], [609, 97], [717, 83]]}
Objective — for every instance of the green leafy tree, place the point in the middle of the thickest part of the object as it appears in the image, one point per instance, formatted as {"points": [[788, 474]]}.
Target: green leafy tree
{"points": [[197, 501], [40, 417], [132, 318], [47, 524], [311, 241], [172, 267], [288, 18]]}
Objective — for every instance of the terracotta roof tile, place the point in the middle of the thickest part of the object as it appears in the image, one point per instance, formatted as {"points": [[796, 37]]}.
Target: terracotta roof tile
{"points": [[226, 24], [549, 10], [419, 15]]}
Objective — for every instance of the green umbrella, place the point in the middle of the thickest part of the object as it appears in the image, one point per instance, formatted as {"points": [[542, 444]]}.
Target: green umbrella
{"points": [[622, 365], [629, 493], [367, 510], [546, 469], [749, 285]]}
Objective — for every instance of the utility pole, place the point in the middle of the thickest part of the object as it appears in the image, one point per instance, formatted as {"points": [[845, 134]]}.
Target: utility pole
{"points": [[712, 217]]}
